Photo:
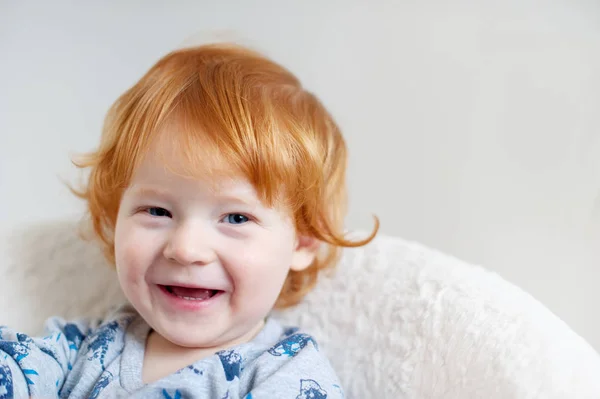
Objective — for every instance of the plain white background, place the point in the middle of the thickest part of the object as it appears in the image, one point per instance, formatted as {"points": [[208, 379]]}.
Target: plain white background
{"points": [[473, 126]]}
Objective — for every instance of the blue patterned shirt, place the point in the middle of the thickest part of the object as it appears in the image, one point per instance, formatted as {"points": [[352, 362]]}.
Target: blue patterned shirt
{"points": [[104, 359]]}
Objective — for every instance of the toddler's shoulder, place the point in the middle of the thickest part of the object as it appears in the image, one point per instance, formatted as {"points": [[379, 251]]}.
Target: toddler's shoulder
{"points": [[292, 365], [115, 317]]}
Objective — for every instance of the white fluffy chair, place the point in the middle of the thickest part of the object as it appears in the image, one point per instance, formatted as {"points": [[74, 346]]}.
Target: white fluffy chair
{"points": [[398, 320]]}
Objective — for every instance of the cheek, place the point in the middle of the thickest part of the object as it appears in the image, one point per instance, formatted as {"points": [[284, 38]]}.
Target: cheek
{"points": [[129, 261], [261, 270], [131, 255]]}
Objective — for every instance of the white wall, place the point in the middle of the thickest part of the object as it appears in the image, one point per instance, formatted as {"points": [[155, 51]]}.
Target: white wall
{"points": [[473, 127]]}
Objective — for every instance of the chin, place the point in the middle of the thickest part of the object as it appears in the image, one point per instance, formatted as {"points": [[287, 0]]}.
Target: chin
{"points": [[190, 342]]}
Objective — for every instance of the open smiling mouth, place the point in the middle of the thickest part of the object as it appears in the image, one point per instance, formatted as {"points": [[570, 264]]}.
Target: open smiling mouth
{"points": [[190, 294]]}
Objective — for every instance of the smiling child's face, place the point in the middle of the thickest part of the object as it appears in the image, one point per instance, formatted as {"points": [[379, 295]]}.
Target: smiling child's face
{"points": [[203, 262]]}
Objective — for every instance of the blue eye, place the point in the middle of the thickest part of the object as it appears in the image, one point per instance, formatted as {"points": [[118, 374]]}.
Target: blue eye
{"points": [[159, 212], [236, 218]]}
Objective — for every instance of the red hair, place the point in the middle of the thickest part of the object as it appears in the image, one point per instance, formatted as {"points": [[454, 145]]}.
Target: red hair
{"points": [[240, 109]]}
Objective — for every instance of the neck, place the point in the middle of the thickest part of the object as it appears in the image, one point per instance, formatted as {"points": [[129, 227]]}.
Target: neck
{"points": [[162, 357]]}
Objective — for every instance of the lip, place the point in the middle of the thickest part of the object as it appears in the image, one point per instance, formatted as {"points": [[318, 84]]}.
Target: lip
{"points": [[194, 286], [178, 303]]}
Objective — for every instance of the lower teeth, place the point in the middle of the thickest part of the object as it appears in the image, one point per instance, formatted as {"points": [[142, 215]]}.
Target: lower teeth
{"points": [[190, 298]]}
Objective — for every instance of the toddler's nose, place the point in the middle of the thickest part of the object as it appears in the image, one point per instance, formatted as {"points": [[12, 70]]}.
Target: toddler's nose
{"points": [[190, 245]]}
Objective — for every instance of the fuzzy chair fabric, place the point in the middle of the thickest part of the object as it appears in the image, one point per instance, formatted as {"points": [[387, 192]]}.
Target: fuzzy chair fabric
{"points": [[398, 320]]}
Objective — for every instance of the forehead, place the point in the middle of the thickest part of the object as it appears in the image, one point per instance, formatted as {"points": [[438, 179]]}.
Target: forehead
{"points": [[154, 177], [192, 153], [165, 166]]}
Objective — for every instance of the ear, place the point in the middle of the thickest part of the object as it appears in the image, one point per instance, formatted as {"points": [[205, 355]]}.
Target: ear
{"points": [[305, 252]]}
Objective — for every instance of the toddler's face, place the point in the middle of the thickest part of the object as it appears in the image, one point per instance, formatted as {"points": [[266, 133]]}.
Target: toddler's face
{"points": [[203, 263]]}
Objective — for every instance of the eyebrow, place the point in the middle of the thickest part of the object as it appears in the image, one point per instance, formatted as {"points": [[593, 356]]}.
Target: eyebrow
{"points": [[149, 192], [234, 199], [145, 191]]}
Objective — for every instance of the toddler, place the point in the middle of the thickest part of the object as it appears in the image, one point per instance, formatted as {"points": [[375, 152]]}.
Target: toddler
{"points": [[218, 192]]}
